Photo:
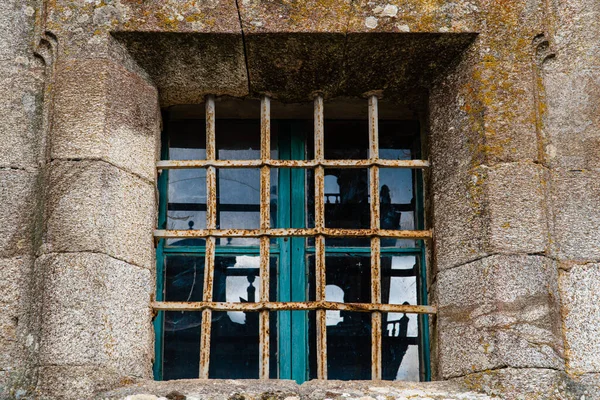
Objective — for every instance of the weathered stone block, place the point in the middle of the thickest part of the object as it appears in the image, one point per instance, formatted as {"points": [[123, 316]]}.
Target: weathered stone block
{"points": [[414, 16], [577, 29], [103, 111], [456, 120], [75, 382], [96, 207], [572, 118], [517, 208], [16, 28], [488, 210], [187, 66], [496, 312], [460, 218], [580, 298], [576, 208], [208, 390], [523, 384], [509, 111], [21, 103], [96, 314], [17, 196], [285, 17]]}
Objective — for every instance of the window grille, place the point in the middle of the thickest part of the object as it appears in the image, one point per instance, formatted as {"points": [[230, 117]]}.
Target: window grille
{"points": [[320, 232]]}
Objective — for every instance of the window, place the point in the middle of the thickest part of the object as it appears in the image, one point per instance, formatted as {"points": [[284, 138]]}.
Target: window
{"points": [[291, 247]]}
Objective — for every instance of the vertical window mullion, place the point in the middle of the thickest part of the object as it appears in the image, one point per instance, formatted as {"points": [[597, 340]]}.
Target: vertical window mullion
{"points": [[211, 223], [375, 241]]}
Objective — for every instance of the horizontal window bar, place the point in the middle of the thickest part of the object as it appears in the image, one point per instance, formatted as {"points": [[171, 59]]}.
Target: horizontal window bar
{"points": [[295, 232], [182, 164], [365, 250], [284, 306], [241, 250], [222, 207]]}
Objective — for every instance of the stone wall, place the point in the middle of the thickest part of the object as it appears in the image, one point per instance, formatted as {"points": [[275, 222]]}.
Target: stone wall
{"points": [[511, 93]]}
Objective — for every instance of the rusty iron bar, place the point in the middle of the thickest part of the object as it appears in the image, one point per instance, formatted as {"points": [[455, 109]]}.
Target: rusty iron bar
{"points": [[294, 305], [264, 330], [292, 232], [211, 153], [211, 223], [265, 219], [186, 164], [373, 117], [319, 143]]}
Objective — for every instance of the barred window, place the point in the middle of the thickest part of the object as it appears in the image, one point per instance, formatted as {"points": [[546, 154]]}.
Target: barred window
{"points": [[291, 247]]}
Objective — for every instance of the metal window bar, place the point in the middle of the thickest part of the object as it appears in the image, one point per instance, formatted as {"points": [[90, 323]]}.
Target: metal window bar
{"points": [[211, 223], [375, 241], [319, 232], [265, 219], [320, 282]]}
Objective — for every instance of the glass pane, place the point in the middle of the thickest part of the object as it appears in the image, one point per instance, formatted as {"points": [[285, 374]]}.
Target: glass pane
{"points": [[349, 346], [347, 277], [397, 203], [399, 286], [347, 198], [186, 208], [187, 139], [400, 357], [238, 139], [184, 277], [399, 140], [238, 198], [234, 346], [181, 351], [346, 139]]}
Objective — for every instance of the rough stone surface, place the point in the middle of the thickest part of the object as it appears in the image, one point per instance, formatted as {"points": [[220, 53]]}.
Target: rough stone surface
{"points": [[576, 235], [102, 111], [93, 206], [13, 299], [16, 27], [580, 298], [96, 313], [572, 120], [498, 311], [21, 102], [288, 390], [187, 66], [413, 16], [17, 196], [518, 220], [511, 134]]}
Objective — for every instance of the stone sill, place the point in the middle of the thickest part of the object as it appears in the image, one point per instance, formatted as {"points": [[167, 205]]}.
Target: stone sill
{"points": [[195, 389]]}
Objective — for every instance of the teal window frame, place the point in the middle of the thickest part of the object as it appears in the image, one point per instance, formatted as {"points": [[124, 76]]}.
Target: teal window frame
{"points": [[293, 331]]}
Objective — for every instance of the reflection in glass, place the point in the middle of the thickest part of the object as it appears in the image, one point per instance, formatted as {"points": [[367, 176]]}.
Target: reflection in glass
{"points": [[347, 198], [187, 139], [347, 275], [349, 347], [186, 208], [238, 139], [184, 277], [238, 198], [399, 286]]}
